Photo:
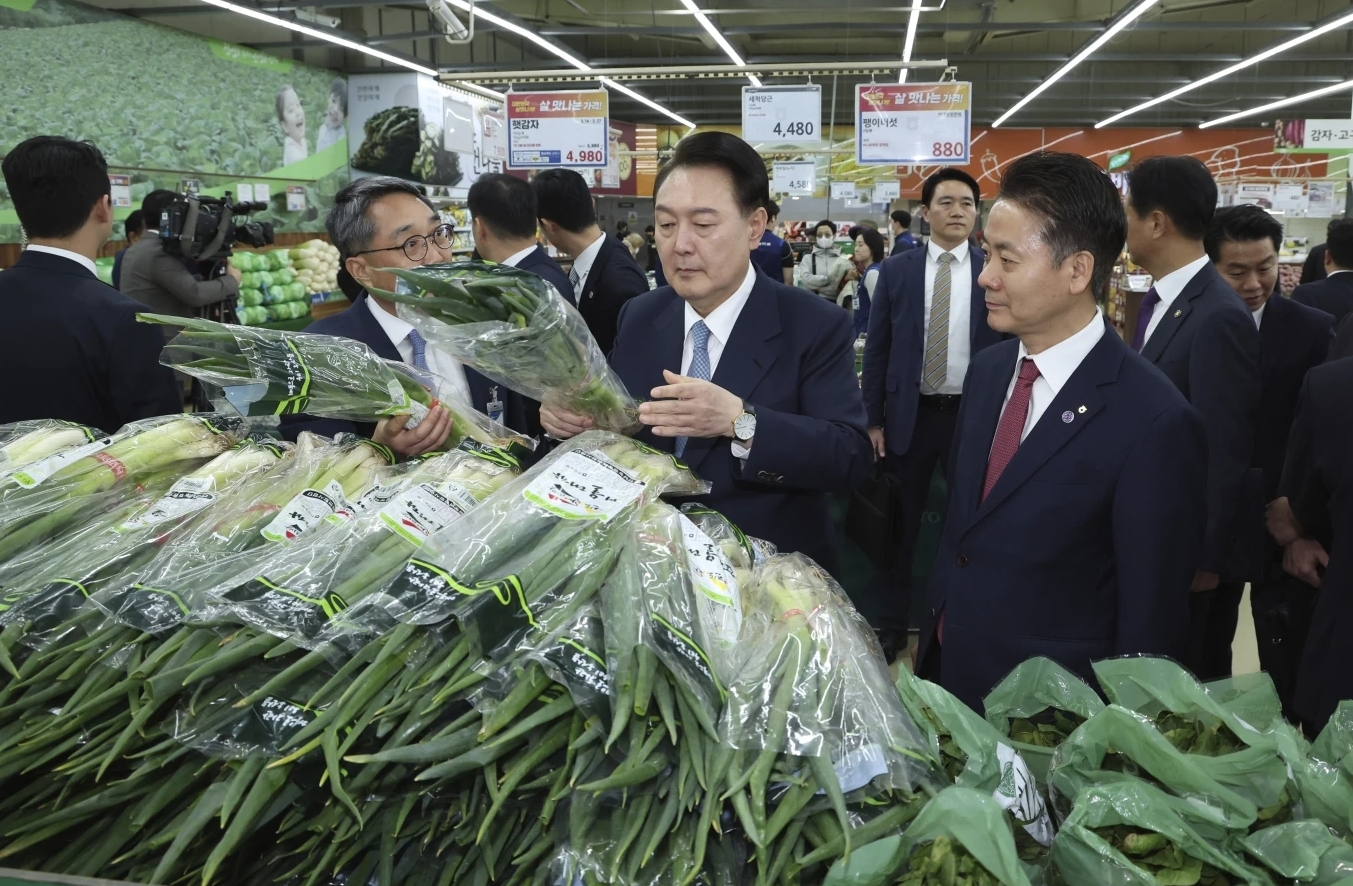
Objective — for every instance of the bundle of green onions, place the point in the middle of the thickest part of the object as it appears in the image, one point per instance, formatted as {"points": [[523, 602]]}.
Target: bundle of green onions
{"points": [[516, 329], [25, 442], [273, 372]]}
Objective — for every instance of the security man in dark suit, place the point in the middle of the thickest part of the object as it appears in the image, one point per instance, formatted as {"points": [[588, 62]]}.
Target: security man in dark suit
{"points": [[1243, 244], [604, 274], [1313, 520], [1196, 330], [70, 346], [1076, 505], [927, 319], [385, 222], [752, 381], [1333, 294]]}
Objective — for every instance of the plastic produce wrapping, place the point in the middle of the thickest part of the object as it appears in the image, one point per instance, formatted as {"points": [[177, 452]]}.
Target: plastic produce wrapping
{"points": [[531, 555], [516, 329], [972, 820], [261, 729], [575, 658], [48, 496], [1326, 775], [977, 756], [812, 683], [1334, 744], [274, 372], [1040, 697], [1252, 697], [1305, 851], [24, 442], [1197, 723], [46, 589], [1084, 857], [237, 533], [1118, 745], [302, 587]]}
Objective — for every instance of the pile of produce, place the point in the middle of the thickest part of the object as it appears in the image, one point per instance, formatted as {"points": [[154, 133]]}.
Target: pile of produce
{"points": [[316, 265], [270, 289], [516, 329]]}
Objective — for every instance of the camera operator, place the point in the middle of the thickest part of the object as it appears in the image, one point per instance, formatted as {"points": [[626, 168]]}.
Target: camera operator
{"points": [[163, 282]]}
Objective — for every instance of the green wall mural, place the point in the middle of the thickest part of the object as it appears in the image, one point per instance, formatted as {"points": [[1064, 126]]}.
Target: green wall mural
{"points": [[164, 105]]}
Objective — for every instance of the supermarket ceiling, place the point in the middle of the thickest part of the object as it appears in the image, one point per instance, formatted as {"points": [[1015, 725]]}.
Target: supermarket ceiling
{"points": [[1007, 48]]}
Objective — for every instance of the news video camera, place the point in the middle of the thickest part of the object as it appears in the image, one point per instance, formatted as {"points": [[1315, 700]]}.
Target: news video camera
{"points": [[205, 229]]}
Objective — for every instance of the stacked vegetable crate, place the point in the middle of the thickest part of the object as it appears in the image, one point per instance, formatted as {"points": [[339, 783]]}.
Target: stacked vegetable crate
{"points": [[269, 288]]}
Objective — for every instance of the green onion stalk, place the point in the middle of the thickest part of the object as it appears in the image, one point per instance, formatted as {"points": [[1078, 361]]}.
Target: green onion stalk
{"points": [[516, 329], [273, 372], [25, 442], [36, 506]]}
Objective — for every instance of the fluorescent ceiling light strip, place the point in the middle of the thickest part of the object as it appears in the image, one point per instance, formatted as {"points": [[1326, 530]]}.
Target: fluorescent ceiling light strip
{"points": [[645, 100], [718, 38], [1109, 33], [910, 42], [1238, 66], [1271, 106]]}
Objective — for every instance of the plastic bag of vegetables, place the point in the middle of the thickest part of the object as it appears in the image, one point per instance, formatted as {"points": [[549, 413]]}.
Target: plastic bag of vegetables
{"points": [[25, 442], [1304, 851], [1129, 834], [1039, 704], [516, 329]]}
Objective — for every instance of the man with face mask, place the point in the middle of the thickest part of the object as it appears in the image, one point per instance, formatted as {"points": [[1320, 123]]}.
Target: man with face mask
{"points": [[385, 222], [824, 269], [1243, 244]]}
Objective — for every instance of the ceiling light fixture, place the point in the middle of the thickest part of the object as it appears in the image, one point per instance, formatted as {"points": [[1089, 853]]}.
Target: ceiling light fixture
{"points": [[718, 38], [1271, 106], [910, 43], [1125, 18], [1238, 66]]}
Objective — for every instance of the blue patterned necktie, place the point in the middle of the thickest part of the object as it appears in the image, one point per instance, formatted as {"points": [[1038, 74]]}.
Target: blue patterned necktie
{"points": [[420, 350], [699, 365]]}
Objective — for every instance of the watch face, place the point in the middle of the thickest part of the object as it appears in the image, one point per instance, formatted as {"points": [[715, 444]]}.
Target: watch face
{"points": [[745, 426]]}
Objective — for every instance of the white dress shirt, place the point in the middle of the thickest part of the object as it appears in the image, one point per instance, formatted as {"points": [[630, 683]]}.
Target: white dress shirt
{"points": [[513, 260], [720, 323], [81, 260], [960, 313], [1259, 314], [582, 265], [1168, 288], [1055, 366], [439, 363], [1339, 271]]}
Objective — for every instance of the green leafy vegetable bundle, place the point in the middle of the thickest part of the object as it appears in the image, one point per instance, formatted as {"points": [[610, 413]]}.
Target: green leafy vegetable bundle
{"points": [[392, 140], [1036, 705], [516, 329]]}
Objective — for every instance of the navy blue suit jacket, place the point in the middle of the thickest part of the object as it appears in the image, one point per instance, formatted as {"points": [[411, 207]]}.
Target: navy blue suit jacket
{"points": [[538, 262], [71, 348], [117, 267], [1207, 344], [613, 279], [355, 322], [1333, 295], [791, 356], [1294, 339], [895, 347], [1087, 544]]}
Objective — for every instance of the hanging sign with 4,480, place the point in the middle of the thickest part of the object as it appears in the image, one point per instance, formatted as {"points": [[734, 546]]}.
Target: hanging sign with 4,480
{"points": [[782, 114]]}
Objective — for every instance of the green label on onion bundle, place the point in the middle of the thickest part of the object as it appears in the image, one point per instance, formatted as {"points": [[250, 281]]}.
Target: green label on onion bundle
{"points": [[426, 508], [692, 660], [304, 511], [281, 366], [584, 486], [34, 474], [581, 665], [282, 605], [720, 601]]}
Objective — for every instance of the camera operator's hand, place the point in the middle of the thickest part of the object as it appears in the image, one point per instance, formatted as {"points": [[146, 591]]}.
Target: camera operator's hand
{"points": [[410, 442], [233, 271]]}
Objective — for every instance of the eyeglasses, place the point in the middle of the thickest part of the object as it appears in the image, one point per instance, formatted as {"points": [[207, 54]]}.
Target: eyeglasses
{"points": [[416, 247]]}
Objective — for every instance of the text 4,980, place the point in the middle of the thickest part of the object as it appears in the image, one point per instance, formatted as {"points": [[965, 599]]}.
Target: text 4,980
{"points": [[597, 157], [948, 149]]}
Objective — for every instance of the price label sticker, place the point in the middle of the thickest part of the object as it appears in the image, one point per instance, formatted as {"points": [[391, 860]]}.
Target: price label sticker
{"points": [[780, 114], [913, 123], [547, 129]]}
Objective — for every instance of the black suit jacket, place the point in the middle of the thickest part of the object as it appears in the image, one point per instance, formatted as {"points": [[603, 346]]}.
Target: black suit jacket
{"points": [[1333, 295], [613, 279], [791, 355], [357, 323], [1318, 481], [1342, 346], [538, 262], [1207, 344], [1294, 339], [1313, 268], [71, 348]]}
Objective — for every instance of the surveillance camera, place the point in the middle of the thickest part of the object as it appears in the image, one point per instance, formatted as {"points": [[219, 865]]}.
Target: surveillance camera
{"points": [[314, 17], [453, 29]]}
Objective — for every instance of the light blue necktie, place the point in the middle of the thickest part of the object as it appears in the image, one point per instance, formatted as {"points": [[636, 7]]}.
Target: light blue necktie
{"points": [[420, 349], [699, 365]]}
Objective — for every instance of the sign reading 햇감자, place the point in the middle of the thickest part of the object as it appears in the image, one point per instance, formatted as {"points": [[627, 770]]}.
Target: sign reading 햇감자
{"points": [[913, 123], [782, 114], [547, 129], [794, 177]]}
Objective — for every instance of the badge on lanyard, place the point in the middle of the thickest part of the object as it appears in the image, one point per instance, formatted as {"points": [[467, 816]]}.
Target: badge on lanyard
{"points": [[495, 406]]}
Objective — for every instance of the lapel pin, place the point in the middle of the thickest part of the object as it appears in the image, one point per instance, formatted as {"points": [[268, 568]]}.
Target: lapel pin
{"points": [[1081, 410], [1068, 416], [1179, 313]]}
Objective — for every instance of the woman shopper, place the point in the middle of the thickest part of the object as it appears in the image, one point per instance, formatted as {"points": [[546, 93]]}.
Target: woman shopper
{"points": [[824, 269], [869, 252]]}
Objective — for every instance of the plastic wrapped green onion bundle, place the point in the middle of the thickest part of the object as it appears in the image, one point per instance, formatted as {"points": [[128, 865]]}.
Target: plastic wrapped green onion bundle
{"points": [[516, 329]]}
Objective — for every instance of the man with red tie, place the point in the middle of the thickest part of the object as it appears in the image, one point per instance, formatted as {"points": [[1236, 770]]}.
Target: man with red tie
{"points": [[1077, 500]]}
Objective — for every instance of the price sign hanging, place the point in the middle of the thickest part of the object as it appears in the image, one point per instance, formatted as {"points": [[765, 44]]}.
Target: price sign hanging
{"points": [[886, 192], [548, 129], [913, 123], [794, 177], [779, 114], [843, 190]]}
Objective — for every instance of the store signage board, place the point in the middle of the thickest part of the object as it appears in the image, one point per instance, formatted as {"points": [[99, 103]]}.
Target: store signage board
{"points": [[262, 194], [913, 123], [1255, 194], [295, 198], [495, 137], [782, 114], [887, 192], [121, 191], [244, 192], [1320, 200], [1291, 199], [843, 190], [1317, 135], [795, 178], [548, 129]]}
